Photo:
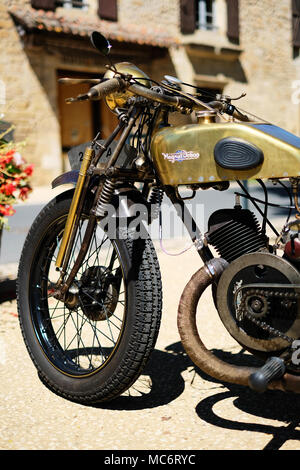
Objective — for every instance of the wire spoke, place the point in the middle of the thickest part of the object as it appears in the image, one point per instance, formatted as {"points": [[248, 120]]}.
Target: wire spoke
{"points": [[85, 328]]}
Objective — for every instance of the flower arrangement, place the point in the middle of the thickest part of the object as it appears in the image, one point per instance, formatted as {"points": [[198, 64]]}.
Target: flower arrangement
{"points": [[14, 178]]}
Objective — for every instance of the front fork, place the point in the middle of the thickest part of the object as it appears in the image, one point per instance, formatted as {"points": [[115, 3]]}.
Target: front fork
{"points": [[88, 163], [71, 225]]}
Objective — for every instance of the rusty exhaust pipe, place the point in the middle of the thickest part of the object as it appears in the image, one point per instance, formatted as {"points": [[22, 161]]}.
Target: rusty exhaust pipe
{"points": [[193, 345]]}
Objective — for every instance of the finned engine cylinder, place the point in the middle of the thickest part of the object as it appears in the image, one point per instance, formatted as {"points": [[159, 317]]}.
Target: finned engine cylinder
{"points": [[234, 232]]}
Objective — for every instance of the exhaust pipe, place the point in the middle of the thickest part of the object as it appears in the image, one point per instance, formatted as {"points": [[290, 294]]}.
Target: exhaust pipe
{"points": [[200, 355]]}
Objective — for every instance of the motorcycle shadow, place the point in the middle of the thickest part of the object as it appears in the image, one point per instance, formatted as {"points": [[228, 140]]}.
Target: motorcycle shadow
{"points": [[281, 407], [165, 370]]}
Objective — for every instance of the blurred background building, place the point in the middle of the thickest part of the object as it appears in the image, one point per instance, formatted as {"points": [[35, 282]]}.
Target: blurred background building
{"points": [[228, 46]]}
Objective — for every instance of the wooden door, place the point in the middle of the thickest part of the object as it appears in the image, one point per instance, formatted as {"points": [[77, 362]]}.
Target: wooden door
{"points": [[80, 122], [108, 121], [76, 119]]}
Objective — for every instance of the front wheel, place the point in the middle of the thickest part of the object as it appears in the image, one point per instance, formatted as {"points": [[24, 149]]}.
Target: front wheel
{"points": [[94, 346]]}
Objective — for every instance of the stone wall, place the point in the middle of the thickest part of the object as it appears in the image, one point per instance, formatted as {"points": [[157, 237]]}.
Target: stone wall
{"points": [[28, 105], [268, 63], [162, 14]]}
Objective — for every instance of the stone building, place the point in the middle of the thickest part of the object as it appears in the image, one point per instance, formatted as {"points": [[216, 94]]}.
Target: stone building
{"points": [[229, 46]]}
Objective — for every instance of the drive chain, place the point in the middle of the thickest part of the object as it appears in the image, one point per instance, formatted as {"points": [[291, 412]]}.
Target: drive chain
{"points": [[243, 312]]}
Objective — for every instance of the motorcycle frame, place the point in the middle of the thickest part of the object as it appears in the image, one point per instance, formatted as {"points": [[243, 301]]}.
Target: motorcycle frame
{"points": [[90, 168]]}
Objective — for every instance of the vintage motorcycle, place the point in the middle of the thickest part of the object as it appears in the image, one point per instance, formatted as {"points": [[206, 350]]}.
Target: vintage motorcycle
{"points": [[90, 297]]}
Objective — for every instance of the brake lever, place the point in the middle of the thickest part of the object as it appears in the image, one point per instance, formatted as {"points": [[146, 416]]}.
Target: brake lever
{"points": [[242, 95], [83, 97]]}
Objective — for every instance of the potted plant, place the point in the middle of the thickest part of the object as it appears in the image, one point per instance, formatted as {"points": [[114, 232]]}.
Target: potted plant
{"points": [[15, 184], [15, 175]]}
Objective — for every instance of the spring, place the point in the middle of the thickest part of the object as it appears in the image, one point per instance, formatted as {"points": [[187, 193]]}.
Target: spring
{"points": [[105, 197], [155, 199]]}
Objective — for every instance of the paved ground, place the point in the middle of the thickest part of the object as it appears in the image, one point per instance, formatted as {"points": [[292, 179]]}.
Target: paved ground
{"points": [[183, 410]]}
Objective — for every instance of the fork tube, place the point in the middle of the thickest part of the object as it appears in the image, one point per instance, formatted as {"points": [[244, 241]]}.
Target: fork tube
{"points": [[82, 252], [88, 155]]}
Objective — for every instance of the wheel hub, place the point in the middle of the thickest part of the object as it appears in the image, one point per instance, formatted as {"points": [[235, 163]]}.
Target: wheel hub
{"points": [[99, 292]]}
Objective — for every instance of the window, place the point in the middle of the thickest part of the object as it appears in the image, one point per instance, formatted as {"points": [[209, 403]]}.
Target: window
{"points": [[83, 4], [205, 14], [52, 4], [197, 14]]}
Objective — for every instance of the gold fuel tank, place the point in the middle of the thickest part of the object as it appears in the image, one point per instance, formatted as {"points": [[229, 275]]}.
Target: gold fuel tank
{"points": [[211, 152]]}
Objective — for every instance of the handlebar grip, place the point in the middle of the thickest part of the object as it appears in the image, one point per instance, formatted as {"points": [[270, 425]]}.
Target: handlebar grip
{"points": [[105, 88], [238, 115]]}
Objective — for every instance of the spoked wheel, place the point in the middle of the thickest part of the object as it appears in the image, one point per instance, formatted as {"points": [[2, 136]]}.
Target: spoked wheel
{"points": [[94, 345]]}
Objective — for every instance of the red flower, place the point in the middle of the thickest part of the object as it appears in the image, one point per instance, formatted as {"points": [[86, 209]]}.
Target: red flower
{"points": [[5, 159], [24, 193], [14, 176], [8, 189], [29, 170], [6, 210]]}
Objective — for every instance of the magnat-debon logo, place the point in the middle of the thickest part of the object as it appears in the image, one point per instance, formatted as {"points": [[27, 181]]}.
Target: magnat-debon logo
{"points": [[181, 156]]}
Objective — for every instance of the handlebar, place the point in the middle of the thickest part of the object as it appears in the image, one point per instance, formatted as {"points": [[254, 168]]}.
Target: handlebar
{"points": [[112, 85], [176, 101], [118, 84], [101, 90]]}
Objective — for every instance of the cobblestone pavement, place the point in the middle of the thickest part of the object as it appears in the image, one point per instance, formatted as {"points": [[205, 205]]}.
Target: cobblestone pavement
{"points": [[182, 410]]}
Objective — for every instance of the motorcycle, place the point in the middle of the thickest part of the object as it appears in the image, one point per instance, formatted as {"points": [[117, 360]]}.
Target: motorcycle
{"points": [[89, 285]]}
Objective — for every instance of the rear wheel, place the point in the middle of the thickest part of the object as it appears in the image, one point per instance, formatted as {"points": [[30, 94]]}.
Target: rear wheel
{"points": [[95, 345]]}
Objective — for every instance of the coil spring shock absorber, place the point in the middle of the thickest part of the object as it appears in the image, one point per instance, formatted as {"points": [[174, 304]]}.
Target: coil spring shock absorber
{"points": [[105, 197], [155, 199]]}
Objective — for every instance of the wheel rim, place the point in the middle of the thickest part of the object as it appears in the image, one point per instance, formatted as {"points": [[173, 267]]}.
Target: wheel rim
{"points": [[79, 337]]}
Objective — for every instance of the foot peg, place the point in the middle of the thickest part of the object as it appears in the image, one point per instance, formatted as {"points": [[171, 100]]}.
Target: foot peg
{"points": [[274, 368]]}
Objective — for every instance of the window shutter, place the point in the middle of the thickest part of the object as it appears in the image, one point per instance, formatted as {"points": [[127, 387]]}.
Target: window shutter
{"points": [[233, 27], [108, 10], [43, 4], [296, 31], [296, 7], [187, 16], [296, 22]]}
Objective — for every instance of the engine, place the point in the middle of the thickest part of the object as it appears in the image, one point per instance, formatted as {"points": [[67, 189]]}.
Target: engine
{"points": [[235, 232], [256, 296]]}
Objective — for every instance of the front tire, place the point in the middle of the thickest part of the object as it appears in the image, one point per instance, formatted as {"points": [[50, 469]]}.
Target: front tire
{"points": [[94, 347]]}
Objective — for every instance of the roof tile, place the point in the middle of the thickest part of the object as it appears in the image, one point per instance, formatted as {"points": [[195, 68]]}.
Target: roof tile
{"points": [[33, 19]]}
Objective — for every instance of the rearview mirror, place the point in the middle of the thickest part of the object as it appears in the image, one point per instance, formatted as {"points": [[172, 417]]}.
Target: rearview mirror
{"points": [[100, 42]]}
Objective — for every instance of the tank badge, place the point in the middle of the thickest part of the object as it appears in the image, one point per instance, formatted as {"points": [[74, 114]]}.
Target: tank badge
{"points": [[180, 156]]}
